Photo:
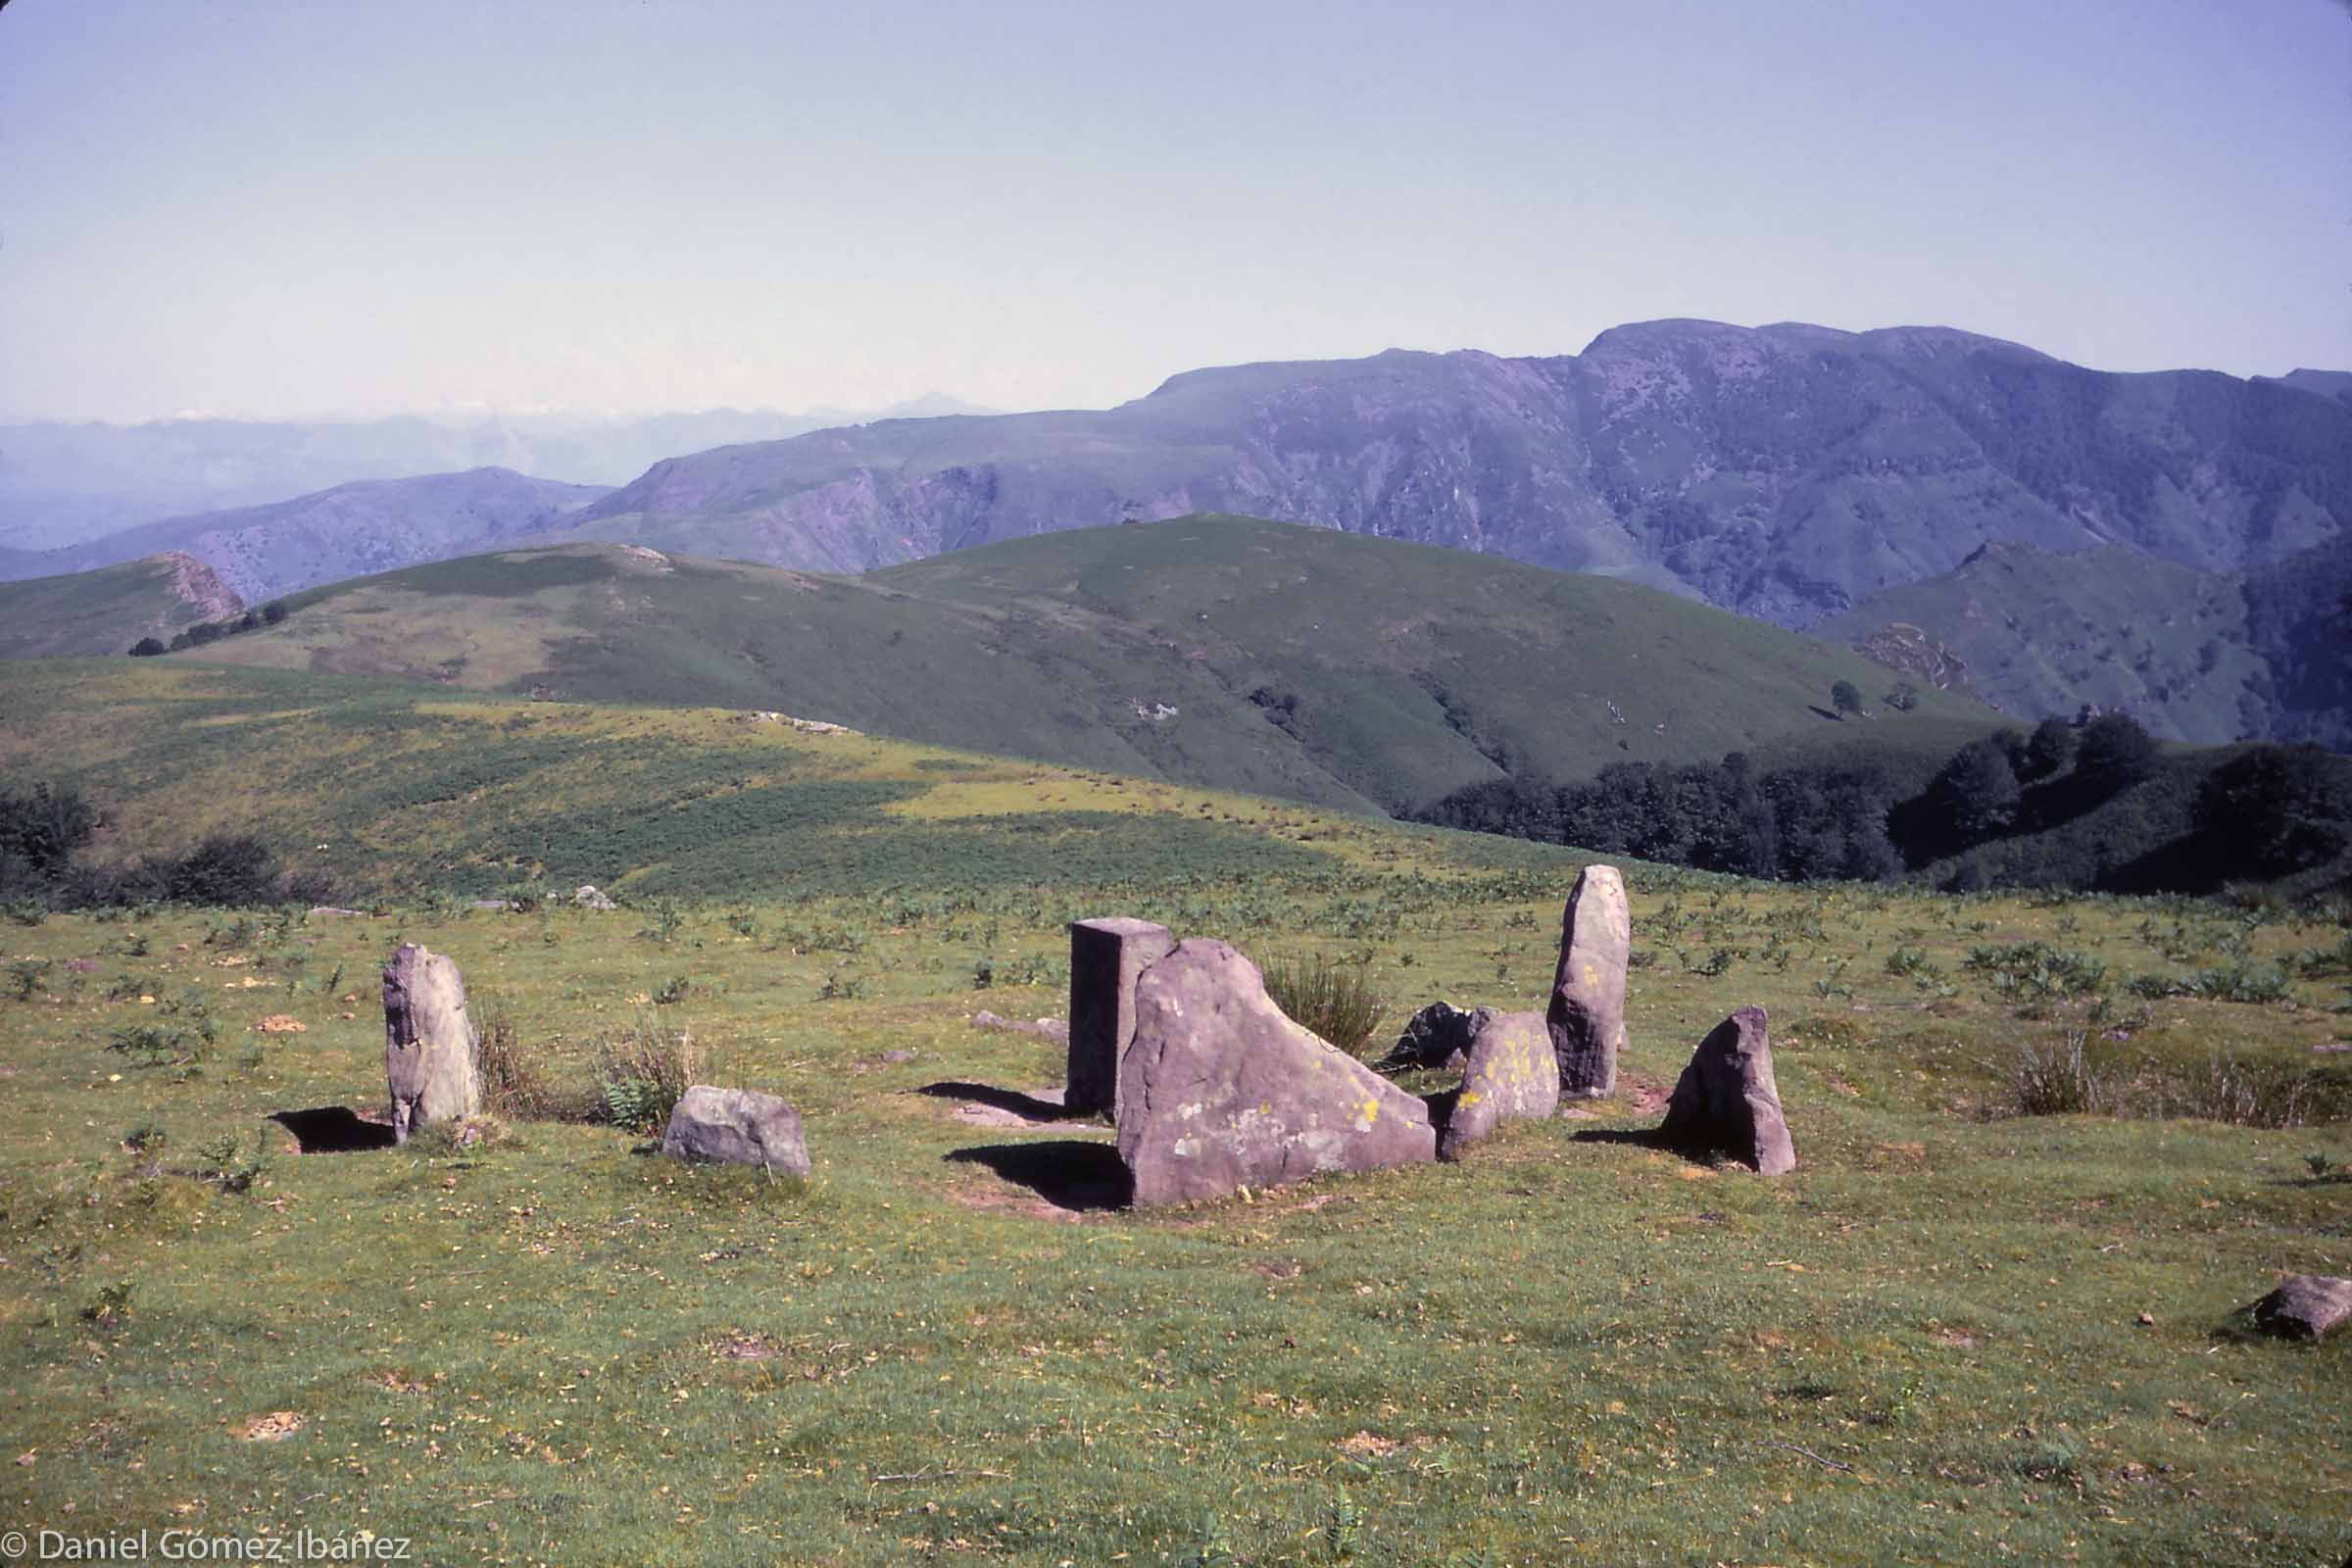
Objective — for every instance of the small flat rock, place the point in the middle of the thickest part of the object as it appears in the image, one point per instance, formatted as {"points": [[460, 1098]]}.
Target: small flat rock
{"points": [[1219, 1091], [2307, 1307], [736, 1127], [586, 897], [1511, 1075], [897, 1057]]}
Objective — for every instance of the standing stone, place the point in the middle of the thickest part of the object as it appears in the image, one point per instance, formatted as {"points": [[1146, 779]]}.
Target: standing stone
{"points": [[1587, 1016], [1438, 1036], [1726, 1102], [1511, 1075], [1219, 1091], [736, 1127], [1106, 959], [2307, 1307], [428, 1042]]}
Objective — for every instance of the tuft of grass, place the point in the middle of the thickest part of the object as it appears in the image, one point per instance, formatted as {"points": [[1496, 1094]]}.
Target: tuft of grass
{"points": [[1334, 1000], [643, 1071]]}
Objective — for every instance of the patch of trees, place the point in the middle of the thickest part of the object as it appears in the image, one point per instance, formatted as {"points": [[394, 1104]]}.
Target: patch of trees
{"points": [[43, 831], [211, 631], [2094, 803]]}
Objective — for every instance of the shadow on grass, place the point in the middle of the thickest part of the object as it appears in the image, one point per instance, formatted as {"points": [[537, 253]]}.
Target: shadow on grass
{"points": [[1697, 1154], [335, 1130], [1029, 1108], [1066, 1173]]}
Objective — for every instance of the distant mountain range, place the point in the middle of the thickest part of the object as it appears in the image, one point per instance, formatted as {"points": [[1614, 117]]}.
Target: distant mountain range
{"points": [[1786, 471], [349, 531], [65, 482], [2068, 535]]}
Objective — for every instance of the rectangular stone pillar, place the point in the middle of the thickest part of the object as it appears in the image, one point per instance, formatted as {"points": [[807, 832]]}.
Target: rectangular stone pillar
{"points": [[1106, 957]]}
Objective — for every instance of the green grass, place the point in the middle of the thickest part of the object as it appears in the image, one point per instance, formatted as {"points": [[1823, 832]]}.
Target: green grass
{"points": [[1925, 1346], [1224, 651]]}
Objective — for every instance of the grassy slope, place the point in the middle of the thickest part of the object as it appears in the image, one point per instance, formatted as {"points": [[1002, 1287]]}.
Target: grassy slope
{"points": [[1926, 1345], [2043, 634], [1413, 669], [101, 611]]}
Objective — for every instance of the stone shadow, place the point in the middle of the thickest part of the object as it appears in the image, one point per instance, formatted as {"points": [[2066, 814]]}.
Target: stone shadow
{"points": [[335, 1130], [1067, 1173], [1043, 1106]]}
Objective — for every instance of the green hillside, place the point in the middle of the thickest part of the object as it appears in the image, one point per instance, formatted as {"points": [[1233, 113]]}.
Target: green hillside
{"points": [[106, 611], [2051, 1147], [1220, 650]]}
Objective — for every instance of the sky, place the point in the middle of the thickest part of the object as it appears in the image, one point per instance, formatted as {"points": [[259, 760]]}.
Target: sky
{"points": [[308, 208]]}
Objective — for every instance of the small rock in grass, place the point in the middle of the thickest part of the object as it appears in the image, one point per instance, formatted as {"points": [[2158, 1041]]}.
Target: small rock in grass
{"points": [[2307, 1307], [736, 1127]]}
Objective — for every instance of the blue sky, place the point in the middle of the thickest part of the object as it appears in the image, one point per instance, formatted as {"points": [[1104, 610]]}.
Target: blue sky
{"points": [[258, 208]]}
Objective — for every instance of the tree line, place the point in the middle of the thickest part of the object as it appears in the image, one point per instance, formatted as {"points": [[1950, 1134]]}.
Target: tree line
{"points": [[2266, 813], [209, 631]]}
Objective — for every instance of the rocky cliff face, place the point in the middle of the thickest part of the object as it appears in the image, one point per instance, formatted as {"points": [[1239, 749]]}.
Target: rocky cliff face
{"points": [[1786, 471]]}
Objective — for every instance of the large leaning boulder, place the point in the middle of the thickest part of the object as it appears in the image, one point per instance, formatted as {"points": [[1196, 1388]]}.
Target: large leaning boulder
{"points": [[1106, 958], [736, 1127], [1438, 1036], [429, 1043], [1726, 1102], [1587, 1016], [2307, 1307], [1219, 1091], [1511, 1075]]}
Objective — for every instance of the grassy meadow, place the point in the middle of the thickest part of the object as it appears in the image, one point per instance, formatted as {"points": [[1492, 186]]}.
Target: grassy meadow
{"points": [[1956, 1334]]}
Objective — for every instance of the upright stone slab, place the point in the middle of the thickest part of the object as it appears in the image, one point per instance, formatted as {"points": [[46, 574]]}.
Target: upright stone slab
{"points": [[1587, 1016], [428, 1042], [1219, 1091], [1106, 959], [1510, 1075], [1726, 1102]]}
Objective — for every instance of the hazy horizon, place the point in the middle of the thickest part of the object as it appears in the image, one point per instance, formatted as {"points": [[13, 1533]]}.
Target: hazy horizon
{"points": [[265, 209]]}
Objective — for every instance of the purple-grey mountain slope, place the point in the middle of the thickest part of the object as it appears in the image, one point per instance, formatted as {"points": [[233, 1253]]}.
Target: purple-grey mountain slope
{"points": [[349, 531], [1786, 471]]}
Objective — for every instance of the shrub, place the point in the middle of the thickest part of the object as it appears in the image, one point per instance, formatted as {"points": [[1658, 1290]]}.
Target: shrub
{"points": [[513, 1087], [1334, 999], [2058, 1080], [642, 1073]]}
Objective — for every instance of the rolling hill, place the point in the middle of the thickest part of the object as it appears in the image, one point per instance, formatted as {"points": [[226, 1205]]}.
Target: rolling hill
{"points": [[106, 611], [1229, 652], [1786, 471], [262, 552]]}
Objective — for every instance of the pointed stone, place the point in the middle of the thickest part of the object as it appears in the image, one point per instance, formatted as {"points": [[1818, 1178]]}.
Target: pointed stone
{"points": [[1587, 1016], [1106, 957], [1726, 1102], [429, 1041], [1510, 1075], [1219, 1091]]}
